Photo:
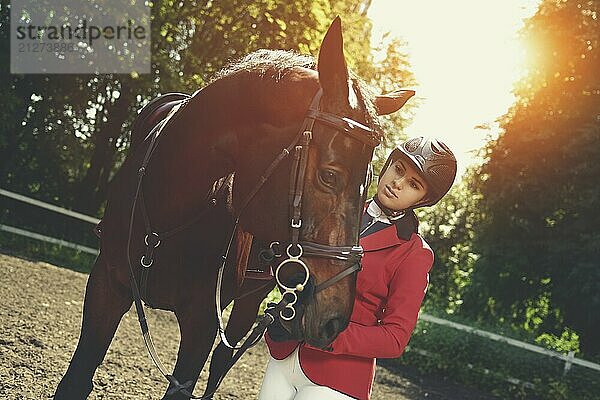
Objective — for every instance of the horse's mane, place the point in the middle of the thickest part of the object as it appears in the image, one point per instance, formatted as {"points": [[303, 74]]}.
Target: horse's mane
{"points": [[271, 64], [275, 64]]}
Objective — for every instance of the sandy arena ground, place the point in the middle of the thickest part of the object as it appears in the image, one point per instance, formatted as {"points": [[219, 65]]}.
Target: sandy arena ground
{"points": [[40, 316]]}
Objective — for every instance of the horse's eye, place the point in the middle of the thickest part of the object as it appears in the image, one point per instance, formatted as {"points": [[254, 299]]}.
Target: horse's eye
{"points": [[328, 177]]}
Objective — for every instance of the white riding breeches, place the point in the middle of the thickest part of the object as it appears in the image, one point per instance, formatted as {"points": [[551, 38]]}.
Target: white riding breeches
{"points": [[285, 380]]}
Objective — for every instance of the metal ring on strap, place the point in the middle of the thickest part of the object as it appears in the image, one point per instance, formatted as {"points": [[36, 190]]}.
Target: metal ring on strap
{"points": [[289, 312], [272, 247], [289, 253], [145, 264], [154, 234]]}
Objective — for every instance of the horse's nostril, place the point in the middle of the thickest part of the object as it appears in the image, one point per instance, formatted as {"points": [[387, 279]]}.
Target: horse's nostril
{"points": [[332, 327]]}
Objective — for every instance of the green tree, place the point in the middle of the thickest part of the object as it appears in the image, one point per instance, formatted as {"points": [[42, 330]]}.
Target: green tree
{"points": [[537, 238], [448, 227], [63, 136]]}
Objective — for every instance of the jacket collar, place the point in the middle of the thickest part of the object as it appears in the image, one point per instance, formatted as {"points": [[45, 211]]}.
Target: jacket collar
{"points": [[397, 233]]}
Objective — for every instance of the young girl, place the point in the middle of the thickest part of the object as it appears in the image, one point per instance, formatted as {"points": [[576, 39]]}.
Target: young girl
{"points": [[389, 289]]}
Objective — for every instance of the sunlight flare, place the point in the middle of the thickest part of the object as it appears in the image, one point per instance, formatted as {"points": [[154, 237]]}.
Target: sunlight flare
{"points": [[466, 56]]}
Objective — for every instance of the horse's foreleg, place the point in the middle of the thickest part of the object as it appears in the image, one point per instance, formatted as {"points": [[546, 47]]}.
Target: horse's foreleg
{"points": [[242, 318], [105, 303], [198, 328]]}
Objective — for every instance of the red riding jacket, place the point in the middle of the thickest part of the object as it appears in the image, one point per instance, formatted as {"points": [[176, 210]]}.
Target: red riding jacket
{"points": [[389, 292]]}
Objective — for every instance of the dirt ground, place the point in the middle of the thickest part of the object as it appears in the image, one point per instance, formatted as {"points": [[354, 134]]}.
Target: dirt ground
{"points": [[40, 316]]}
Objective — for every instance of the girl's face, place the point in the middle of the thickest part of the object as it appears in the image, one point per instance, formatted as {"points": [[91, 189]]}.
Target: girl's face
{"points": [[400, 186]]}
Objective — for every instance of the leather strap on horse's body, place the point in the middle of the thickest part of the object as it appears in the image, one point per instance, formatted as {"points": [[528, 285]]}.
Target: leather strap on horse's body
{"points": [[139, 307], [152, 239]]}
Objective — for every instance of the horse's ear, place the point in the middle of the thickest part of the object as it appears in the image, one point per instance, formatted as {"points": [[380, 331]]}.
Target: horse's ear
{"points": [[333, 72], [390, 103]]}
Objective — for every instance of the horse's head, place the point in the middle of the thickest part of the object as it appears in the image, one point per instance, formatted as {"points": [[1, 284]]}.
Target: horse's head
{"points": [[311, 201]]}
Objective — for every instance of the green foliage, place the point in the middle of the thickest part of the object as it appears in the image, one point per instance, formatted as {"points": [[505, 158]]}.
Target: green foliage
{"points": [[491, 366], [64, 136], [448, 227], [536, 234]]}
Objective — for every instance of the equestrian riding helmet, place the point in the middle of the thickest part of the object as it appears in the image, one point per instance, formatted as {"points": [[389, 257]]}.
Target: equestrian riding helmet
{"points": [[433, 161]]}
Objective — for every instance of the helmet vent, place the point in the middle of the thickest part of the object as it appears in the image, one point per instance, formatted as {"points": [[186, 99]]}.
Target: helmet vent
{"points": [[435, 148], [412, 145], [435, 156]]}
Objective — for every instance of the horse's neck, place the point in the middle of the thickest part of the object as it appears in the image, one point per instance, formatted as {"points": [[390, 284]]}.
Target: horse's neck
{"points": [[191, 155], [208, 138]]}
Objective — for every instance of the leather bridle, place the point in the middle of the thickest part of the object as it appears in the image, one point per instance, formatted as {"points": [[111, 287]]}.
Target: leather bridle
{"points": [[295, 250]]}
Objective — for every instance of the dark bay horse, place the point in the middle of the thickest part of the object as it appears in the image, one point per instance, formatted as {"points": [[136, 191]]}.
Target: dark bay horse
{"points": [[237, 124]]}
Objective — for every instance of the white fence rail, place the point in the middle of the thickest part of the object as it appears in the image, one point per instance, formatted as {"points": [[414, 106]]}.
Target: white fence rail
{"points": [[48, 206], [51, 207], [569, 359], [48, 239]]}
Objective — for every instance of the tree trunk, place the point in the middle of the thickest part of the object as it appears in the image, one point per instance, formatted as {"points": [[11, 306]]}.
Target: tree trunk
{"points": [[93, 186]]}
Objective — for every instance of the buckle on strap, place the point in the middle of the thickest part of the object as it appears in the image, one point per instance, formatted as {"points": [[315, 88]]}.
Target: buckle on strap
{"points": [[152, 237]]}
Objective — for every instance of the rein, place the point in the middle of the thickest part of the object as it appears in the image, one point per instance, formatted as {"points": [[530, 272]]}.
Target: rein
{"points": [[294, 251]]}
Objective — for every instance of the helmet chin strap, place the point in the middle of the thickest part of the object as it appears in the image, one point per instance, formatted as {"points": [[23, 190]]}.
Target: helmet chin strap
{"points": [[394, 213], [388, 211]]}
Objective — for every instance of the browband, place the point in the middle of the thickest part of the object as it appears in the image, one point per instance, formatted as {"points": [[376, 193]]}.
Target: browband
{"points": [[350, 127]]}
